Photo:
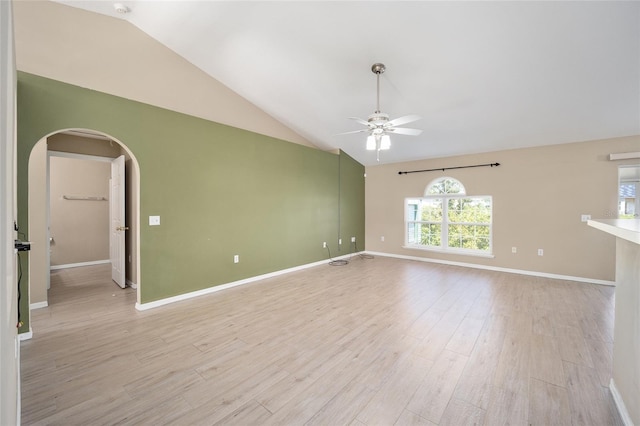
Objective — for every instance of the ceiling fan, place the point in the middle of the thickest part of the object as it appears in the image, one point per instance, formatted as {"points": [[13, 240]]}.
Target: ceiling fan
{"points": [[378, 124]]}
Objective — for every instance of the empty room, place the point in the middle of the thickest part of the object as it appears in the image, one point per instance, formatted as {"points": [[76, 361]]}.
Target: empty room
{"points": [[333, 213]]}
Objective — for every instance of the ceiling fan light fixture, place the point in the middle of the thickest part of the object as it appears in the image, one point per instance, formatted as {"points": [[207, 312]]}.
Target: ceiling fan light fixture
{"points": [[385, 142], [371, 143]]}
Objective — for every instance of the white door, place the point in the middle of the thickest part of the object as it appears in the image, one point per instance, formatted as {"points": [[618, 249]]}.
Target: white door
{"points": [[117, 222]]}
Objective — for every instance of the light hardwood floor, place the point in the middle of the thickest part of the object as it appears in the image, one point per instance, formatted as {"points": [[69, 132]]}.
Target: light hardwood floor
{"points": [[377, 342]]}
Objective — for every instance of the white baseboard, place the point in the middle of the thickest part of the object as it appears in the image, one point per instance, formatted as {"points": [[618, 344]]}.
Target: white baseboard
{"points": [[180, 297], [131, 284], [26, 336], [77, 265], [38, 305], [622, 409], [497, 269]]}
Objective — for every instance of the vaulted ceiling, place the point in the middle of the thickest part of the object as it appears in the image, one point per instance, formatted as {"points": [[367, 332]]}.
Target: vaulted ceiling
{"points": [[484, 76]]}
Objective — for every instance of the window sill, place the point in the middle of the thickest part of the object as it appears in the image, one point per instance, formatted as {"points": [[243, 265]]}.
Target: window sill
{"points": [[451, 251]]}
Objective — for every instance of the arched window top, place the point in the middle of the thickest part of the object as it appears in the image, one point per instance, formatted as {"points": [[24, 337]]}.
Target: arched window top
{"points": [[445, 185]]}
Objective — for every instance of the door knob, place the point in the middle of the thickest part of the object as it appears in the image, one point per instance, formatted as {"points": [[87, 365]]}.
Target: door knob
{"points": [[122, 228]]}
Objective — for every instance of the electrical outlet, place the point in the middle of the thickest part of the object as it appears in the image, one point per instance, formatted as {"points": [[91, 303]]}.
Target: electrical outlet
{"points": [[382, 239], [514, 249], [154, 220], [353, 239], [236, 258], [585, 217], [324, 244], [339, 241], [540, 252]]}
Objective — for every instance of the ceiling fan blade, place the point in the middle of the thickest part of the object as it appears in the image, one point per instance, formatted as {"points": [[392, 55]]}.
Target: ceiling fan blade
{"points": [[403, 120], [361, 121], [353, 131], [404, 131]]}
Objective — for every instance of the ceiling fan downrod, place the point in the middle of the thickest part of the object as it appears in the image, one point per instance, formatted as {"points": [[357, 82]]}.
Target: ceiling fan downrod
{"points": [[378, 69]]}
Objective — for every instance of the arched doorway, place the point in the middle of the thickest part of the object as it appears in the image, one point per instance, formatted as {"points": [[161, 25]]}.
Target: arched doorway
{"points": [[81, 144]]}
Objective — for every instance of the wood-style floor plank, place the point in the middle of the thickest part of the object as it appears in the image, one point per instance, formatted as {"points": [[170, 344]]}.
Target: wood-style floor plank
{"points": [[376, 342], [546, 362], [548, 404], [434, 393], [388, 404], [461, 413]]}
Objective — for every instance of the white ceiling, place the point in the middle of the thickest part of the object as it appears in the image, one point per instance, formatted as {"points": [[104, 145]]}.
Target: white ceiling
{"points": [[484, 76]]}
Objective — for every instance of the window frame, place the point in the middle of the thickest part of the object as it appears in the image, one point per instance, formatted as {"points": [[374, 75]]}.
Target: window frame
{"points": [[445, 223]]}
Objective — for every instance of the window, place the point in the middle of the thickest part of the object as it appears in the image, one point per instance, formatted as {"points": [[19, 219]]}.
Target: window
{"points": [[447, 219]]}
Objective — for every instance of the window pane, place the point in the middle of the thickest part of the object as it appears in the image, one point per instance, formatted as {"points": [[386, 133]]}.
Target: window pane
{"points": [[431, 235], [413, 233], [472, 237], [425, 234], [483, 210], [431, 210], [455, 234], [445, 186], [469, 210]]}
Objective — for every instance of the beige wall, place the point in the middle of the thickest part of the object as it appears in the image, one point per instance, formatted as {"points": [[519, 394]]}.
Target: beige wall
{"points": [[79, 229], [121, 60], [38, 260], [538, 194]]}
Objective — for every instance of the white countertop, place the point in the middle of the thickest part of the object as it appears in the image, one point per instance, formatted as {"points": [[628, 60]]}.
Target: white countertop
{"points": [[628, 229]]}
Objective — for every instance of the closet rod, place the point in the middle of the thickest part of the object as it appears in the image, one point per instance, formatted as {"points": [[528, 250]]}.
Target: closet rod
{"points": [[450, 168], [75, 197]]}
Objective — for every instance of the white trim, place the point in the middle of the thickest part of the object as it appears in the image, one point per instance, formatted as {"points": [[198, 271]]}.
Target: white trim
{"points": [[77, 265], [462, 252], [16, 342], [136, 189], [181, 297], [498, 269], [10, 407], [624, 156], [622, 409], [26, 336], [38, 305], [131, 284]]}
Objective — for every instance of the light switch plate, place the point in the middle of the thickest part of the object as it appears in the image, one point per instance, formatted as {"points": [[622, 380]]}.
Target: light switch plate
{"points": [[154, 220]]}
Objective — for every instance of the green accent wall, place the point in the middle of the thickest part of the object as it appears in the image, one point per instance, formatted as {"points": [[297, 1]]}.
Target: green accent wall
{"points": [[219, 190], [352, 212]]}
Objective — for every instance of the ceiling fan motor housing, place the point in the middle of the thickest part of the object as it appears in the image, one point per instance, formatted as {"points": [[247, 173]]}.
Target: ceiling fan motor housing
{"points": [[378, 119]]}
